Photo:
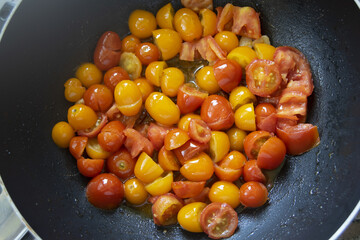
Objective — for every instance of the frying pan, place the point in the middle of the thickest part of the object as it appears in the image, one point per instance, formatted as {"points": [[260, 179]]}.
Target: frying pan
{"points": [[45, 42]]}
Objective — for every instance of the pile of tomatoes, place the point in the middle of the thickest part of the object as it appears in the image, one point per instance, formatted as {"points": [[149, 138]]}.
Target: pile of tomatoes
{"points": [[194, 147]]}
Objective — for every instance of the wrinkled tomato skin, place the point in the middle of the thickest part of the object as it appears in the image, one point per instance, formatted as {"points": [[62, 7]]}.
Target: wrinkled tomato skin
{"points": [[216, 111], [115, 75], [189, 150], [187, 189], [107, 52], [266, 117], [156, 135], [189, 98], [121, 164], [253, 142], [105, 191], [300, 138], [252, 172], [98, 97], [136, 143], [271, 154], [77, 146], [90, 167], [228, 74], [111, 137], [165, 209]]}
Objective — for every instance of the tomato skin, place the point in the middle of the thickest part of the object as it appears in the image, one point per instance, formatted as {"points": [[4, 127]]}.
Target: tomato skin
{"points": [[219, 145], [252, 172], [81, 117], [187, 189], [136, 143], [236, 137], [94, 130], [161, 185], [165, 209], [90, 167], [187, 24], [228, 74], [189, 216], [62, 133], [146, 169], [121, 164], [142, 23], [147, 53], [253, 143], [211, 220], [189, 150], [189, 98], [111, 137], [135, 192], [167, 160], [216, 111], [184, 121], [88, 74], [165, 16], [168, 41], [253, 194], [77, 146], [162, 109], [199, 168], [271, 154], [175, 139], [266, 117], [129, 43], [156, 135], [245, 117], [128, 98], [199, 131], [105, 191], [225, 192], [263, 77], [107, 52], [115, 75], [98, 97]]}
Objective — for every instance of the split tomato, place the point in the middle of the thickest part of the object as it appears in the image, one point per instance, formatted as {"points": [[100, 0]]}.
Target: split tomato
{"points": [[90, 167], [189, 98], [216, 111], [228, 74]]}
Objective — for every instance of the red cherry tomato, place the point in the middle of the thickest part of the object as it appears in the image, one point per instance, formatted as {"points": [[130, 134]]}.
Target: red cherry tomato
{"points": [[94, 130], [271, 154], [147, 53], [165, 209], [219, 220], [111, 137], [113, 76], [266, 117], [253, 194], [187, 189], [216, 111], [77, 146], [90, 167], [121, 164], [136, 143], [189, 150], [228, 74], [105, 191], [107, 52], [98, 97], [189, 98], [253, 143], [199, 131], [252, 172]]}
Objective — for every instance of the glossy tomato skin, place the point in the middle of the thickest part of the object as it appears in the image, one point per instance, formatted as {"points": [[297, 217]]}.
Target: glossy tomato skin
{"points": [[271, 154], [187, 189], [95, 129], [253, 194], [111, 137], [265, 114], [115, 75], [189, 150], [189, 216], [107, 52], [175, 139], [62, 133], [214, 215], [228, 74], [105, 191], [199, 168], [147, 53], [216, 111], [189, 98], [252, 172], [121, 164], [253, 143], [77, 146], [81, 117], [90, 167]]}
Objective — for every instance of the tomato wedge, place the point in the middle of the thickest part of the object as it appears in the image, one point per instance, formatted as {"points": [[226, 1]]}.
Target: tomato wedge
{"points": [[219, 220], [111, 137], [187, 189], [228, 74], [189, 98], [189, 150], [199, 131], [165, 209], [137, 143], [252, 172], [246, 22], [90, 167], [94, 130], [266, 118], [156, 135], [77, 146]]}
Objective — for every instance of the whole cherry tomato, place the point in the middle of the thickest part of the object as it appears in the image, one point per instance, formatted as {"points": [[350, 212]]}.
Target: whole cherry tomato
{"points": [[147, 53], [225, 192], [199, 168], [121, 164], [107, 52], [189, 216], [111, 137], [81, 117], [98, 97], [253, 194], [129, 43], [228, 74], [187, 23], [62, 133], [142, 23], [113, 76], [135, 192]]}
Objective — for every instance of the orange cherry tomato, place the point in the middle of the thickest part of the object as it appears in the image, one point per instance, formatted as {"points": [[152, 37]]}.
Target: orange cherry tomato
{"points": [[228, 74], [162, 109], [147, 53], [271, 153], [189, 98], [128, 97], [165, 209], [187, 23], [62, 133], [253, 194], [142, 23], [129, 43], [227, 174], [236, 137], [205, 79], [90, 167], [89, 74], [111, 137], [165, 16], [115, 75], [135, 192], [146, 169], [77, 146], [199, 168], [263, 119], [121, 164], [189, 150], [208, 22], [187, 189], [74, 90], [171, 80], [167, 160], [154, 71], [175, 139], [225, 192], [98, 97], [227, 40], [199, 131], [189, 216], [252, 172], [81, 117], [168, 41], [184, 121], [145, 87]]}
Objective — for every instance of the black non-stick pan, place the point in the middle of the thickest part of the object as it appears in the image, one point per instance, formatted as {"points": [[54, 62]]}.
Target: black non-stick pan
{"points": [[46, 40]]}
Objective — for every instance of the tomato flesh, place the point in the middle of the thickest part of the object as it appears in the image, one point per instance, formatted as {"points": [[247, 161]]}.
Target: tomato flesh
{"points": [[199, 131]]}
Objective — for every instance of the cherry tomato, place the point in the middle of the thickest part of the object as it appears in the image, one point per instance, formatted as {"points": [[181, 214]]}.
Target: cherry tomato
{"points": [[146, 169], [205, 79], [77, 146], [165, 209], [228, 74], [167, 160], [62, 133], [187, 23], [263, 77], [160, 185], [90, 167], [136, 143], [240, 96], [142, 23], [253, 194], [113, 76], [264, 51], [111, 137], [95, 151], [132, 64], [89, 74], [156, 135], [128, 98], [171, 80], [242, 55], [147, 53], [225, 192], [135, 192], [184, 121], [121, 164], [263, 119], [236, 138], [219, 145], [189, 216], [189, 150], [145, 87], [245, 117], [227, 174], [232, 161], [129, 43], [98, 97], [189, 98], [108, 50], [252, 172], [199, 168], [162, 109], [165, 16], [253, 142], [187, 189], [202, 197], [74, 90], [219, 220], [95, 129], [216, 111], [81, 117], [175, 139], [227, 40], [154, 71], [208, 22], [168, 41], [199, 131], [105, 191]]}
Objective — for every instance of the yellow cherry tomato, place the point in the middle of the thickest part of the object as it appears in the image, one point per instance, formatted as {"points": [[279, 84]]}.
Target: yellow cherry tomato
{"points": [[245, 117], [189, 216], [89, 74], [62, 133], [165, 16], [239, 96], [146, 169], [226, 40], [81, 117], [185, 121], [142, 23], [162, 109], [153, 72], [199, 168], [205, 79], [264, 51], [243, 55], [128, 97], [171, 80], [236, 137], [219, 145], [187, 23], [131, 63], [74, 90], [208, 22], [225, 192], [95, 151], [145, 87], [160, 185], [134, 191], [168, 41]]}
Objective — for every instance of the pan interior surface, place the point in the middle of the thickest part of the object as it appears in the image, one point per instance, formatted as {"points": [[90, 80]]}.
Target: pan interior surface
{"points": [[45, 42]]}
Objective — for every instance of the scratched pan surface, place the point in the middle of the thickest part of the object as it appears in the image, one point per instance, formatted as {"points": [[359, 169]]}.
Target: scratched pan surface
{"points": [[46, 40]]}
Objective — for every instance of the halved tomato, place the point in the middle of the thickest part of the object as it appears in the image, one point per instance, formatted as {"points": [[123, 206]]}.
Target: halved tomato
{"points": [[165, 209], [199, 131], [189, 150], [187, 189], [90, 167], [175, 139], [137, 143], [266, 118], [167, 160], [94, 130], [253, 143], [189, 98], [77, 146], [228, 74]]}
